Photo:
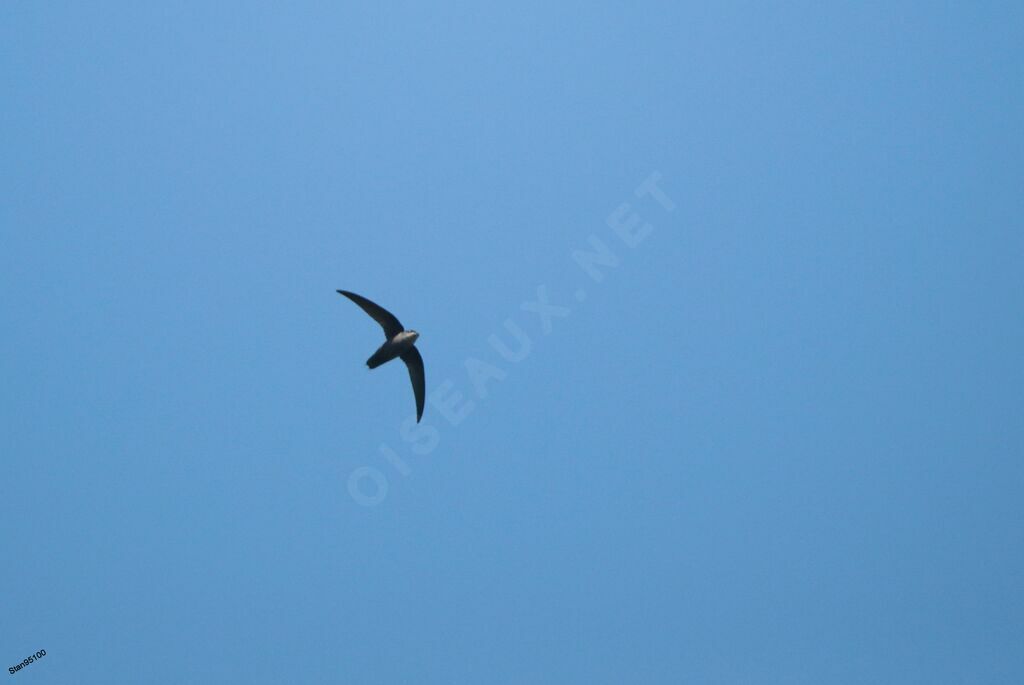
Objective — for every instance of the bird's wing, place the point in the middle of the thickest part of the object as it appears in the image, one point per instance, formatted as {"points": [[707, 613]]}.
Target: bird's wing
{"points": [[391, 325], [414, 361]]}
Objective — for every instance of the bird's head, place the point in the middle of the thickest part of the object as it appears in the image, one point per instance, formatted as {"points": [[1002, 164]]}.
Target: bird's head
{"points": [[413, 335]]}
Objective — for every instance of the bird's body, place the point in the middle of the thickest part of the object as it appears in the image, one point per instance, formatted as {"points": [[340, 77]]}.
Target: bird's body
{"points": [[392, 348], [398, 343]]}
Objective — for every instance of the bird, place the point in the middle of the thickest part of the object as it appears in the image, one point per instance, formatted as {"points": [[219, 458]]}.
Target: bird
{"points": [[398, 342]]}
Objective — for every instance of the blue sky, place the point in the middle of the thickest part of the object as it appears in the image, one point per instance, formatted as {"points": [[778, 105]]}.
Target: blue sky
{"points": [[779, 442]]}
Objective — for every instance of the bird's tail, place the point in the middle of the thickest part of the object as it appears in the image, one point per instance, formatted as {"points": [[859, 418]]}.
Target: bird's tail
{"points": [[380, 357]]}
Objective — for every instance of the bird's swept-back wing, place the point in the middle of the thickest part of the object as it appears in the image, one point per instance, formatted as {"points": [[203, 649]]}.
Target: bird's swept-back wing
{"points": [[391, 325], [414, 361]]}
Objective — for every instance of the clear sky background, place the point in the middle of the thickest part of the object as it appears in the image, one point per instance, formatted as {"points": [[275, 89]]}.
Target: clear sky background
{"points": [[780, 442]]}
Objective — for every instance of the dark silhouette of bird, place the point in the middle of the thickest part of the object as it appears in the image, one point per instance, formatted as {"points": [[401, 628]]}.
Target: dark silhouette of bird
{"points": [[398, 342]]}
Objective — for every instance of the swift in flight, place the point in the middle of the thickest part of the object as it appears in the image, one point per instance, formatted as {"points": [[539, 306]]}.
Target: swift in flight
{"points": [[398, 343]]}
